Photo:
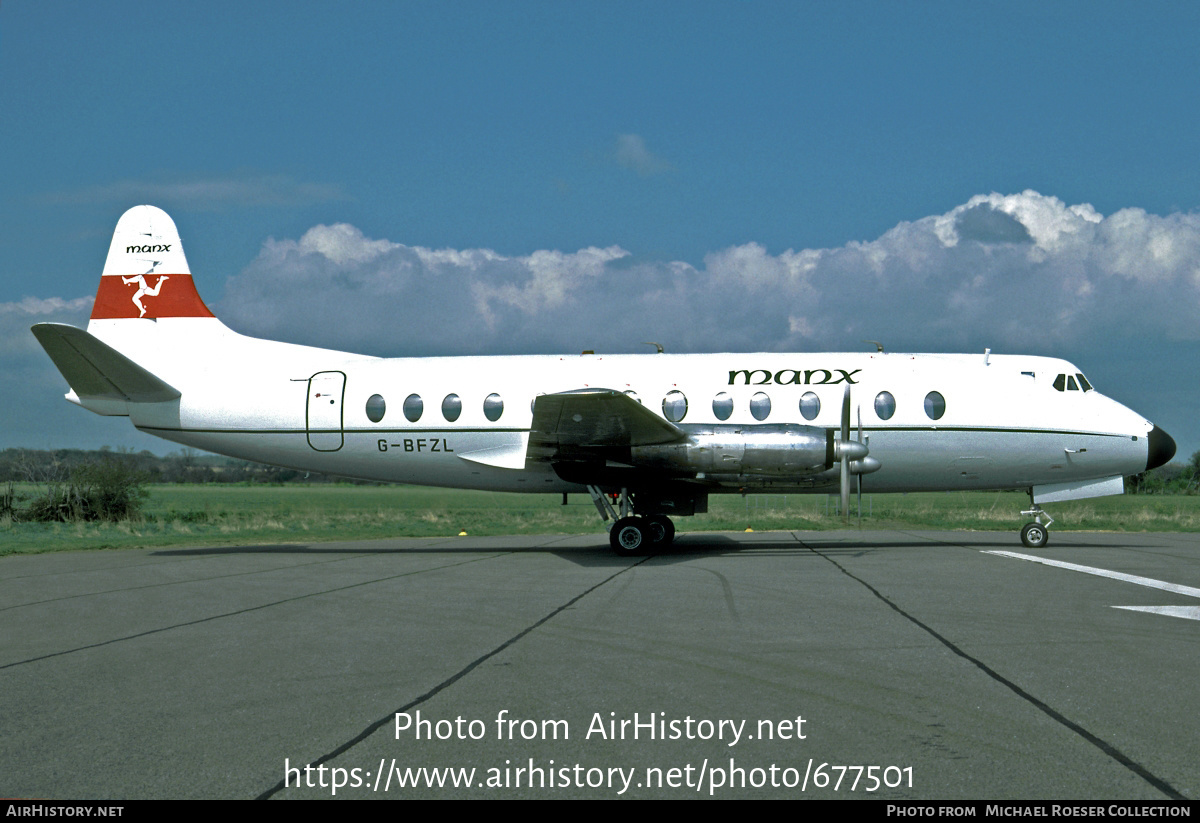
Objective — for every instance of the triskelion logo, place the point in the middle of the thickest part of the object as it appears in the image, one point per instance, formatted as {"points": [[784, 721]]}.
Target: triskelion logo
{"points": [[143, 289]]}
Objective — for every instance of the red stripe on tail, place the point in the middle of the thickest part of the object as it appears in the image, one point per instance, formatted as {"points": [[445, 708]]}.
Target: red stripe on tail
{"points": [[159, 295]]}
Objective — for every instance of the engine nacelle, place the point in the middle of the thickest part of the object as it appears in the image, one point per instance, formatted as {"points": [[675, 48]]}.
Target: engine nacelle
{"points": [[766, 450]]}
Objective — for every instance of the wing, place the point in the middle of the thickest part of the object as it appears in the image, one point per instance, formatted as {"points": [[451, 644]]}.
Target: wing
{"points": [[595, 420], [585, 433]]}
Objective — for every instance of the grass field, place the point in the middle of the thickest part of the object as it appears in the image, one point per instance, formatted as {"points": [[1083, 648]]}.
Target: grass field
{"points": [[212, 514]]}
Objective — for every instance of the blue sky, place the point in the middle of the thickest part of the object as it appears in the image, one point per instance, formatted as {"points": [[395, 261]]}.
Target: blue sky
{"points": [[708, 150]]}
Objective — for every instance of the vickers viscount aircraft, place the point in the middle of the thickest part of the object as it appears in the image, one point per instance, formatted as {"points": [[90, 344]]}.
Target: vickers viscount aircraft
{"points": [[648, 436]]}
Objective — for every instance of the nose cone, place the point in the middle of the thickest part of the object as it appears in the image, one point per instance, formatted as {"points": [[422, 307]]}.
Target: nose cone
{"points": [[1162, 448]]}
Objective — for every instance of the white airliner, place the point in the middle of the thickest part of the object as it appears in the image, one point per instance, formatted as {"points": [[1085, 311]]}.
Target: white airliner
{"points": [[648, 436]]}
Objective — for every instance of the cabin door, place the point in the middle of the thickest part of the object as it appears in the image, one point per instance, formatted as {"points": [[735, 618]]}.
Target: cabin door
{"points": [[326, 391]]}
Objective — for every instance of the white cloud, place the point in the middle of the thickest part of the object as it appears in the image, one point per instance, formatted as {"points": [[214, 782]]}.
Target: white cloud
{"points": [[1013, 272]]}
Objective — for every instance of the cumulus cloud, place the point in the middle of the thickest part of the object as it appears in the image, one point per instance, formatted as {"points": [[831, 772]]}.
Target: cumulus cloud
{"points": [[1021, 272]]}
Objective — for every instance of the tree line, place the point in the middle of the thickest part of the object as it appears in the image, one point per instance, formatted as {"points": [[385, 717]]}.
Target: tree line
{"points": [[184, 466], [1173, 478]]}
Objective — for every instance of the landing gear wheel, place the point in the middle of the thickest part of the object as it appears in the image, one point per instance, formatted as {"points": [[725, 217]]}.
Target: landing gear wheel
{"points": [[661, 530], [629, 535], [1034, 535]]}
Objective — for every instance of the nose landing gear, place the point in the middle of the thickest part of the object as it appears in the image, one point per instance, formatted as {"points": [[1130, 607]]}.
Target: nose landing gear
{"points": [[1035, 535]]}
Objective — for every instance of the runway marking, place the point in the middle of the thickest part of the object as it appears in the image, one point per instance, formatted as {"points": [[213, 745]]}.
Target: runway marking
{"points": [[1186, 612]]}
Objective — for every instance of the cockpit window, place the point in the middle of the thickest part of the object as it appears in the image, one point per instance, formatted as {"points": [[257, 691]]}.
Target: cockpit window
{"points": [[1066, 382]]}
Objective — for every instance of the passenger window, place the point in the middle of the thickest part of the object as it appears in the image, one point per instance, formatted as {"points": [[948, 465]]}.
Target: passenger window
{"points": [[674, 406], [493, 407], [885, 405], [722, 406], [1060, 382], [810, 406], [760, 406], [451, 407], [375, 408], [413, 407], [935, 405]]}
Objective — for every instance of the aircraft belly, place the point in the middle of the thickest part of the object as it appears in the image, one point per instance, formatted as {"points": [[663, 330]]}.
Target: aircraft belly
{"points": [[418, 458]]}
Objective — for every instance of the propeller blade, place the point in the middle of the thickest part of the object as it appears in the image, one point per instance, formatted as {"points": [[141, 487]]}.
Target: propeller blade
{"points": [[845, 484], [858, 477]]}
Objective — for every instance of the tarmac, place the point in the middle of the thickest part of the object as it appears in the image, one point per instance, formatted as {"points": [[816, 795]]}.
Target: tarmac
{"points": [[894, 665]]}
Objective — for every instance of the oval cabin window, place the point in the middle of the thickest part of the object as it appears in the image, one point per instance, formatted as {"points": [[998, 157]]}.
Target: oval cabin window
{"points": [[935, 405], [810, 406], [885, 405], [413, 406], [674, 406], [376, 408], [493, 407], [760, 406], [722, 406]]}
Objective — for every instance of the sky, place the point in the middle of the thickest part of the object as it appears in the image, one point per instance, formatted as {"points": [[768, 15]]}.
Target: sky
{"points": [[412, 178]]}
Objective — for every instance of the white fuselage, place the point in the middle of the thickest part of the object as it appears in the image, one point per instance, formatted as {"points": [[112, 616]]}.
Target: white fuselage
{"points": [[1004, 424]]}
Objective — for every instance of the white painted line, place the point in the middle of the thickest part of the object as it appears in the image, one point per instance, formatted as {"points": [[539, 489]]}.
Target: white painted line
{"points": [[1187, 612], [1149, 582]]}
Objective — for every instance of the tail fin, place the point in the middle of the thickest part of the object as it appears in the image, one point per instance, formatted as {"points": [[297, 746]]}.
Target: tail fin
{"points": [[126, 357], [146, 275]]}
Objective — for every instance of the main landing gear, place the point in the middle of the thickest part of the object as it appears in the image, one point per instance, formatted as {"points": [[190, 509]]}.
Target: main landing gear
{"points": [[1035, 535], [631, 534]]}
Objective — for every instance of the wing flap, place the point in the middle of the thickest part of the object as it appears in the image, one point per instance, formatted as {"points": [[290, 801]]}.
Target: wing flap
{"points": [[95, 370]]}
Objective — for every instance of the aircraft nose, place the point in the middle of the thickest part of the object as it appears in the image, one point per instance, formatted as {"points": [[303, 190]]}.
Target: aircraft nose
{"points": [[1161, 449]]}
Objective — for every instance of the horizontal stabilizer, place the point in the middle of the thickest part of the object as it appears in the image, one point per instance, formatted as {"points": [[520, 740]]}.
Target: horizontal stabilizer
{"points": [[95, 370]]}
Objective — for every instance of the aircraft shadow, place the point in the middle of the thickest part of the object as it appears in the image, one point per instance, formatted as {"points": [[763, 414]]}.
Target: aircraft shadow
{"points": [[686, 546]]}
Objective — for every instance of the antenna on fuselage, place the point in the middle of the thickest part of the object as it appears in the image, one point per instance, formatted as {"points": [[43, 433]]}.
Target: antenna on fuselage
{"points": [[878, 346], [655, 345]]}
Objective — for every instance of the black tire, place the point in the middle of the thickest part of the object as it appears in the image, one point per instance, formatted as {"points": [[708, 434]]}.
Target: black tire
{"points": [[661, 529], [629, 536], [1035, 535]]}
